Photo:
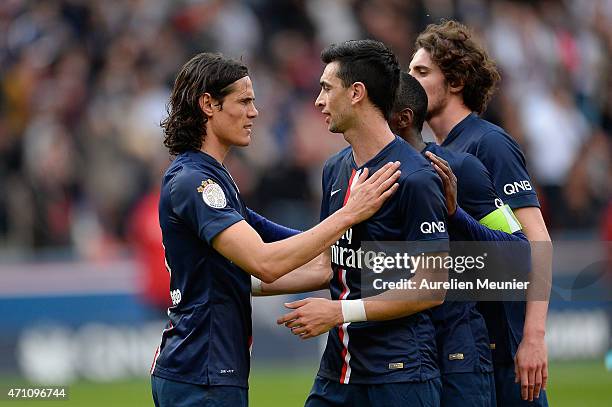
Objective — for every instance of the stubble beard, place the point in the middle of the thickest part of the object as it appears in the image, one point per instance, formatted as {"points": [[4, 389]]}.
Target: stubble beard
{"points": [[436, 109], [336, 126], [439, 103]]}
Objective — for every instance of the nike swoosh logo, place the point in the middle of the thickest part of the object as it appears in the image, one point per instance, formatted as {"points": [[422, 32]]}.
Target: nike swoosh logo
{"points": [[333, 192]]}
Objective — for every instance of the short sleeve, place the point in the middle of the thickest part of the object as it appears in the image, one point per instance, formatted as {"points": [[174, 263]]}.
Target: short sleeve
{"points": [[424, 211], [475, 191], [505, 162], [201, 201]]}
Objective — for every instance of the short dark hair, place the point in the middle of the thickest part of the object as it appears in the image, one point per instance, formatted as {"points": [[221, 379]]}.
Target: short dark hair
{"points": [[370, 62], [462, 60], [411, 94], [185, 126]]}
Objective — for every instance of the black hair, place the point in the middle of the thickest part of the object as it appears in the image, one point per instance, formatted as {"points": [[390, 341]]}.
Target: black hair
{"points": [[370, 62], [185, 126], [411, 94]]}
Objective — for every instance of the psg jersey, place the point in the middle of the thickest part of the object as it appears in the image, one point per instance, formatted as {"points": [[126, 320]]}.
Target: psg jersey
{"points": [[505, 162], [404, 349], [208, 336]]}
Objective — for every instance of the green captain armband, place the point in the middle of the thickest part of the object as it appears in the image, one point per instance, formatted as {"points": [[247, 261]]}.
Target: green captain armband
{"points": [[502, 219]]}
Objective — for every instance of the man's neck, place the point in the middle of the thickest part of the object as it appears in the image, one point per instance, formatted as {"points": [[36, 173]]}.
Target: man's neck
{"points": [[414, 138], [214, 148], [368, 138], [443, 123]]}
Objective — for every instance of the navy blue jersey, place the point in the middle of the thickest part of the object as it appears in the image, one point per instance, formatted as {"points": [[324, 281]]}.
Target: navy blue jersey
{"points": [[501, 156], [208, 336], [400, 350], [504, 160], [475, 191], [461, 332]]}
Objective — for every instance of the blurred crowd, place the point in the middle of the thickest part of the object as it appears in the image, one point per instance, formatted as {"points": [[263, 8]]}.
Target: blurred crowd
{"points": [[84, 85]]}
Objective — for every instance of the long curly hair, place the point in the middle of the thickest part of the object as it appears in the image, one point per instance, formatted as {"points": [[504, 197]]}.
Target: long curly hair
{"points": [[462, 60], [185, 126]]}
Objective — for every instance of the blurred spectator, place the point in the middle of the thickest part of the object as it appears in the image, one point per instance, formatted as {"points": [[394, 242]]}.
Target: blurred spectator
{"points": [[554, 134], [83, 86]]}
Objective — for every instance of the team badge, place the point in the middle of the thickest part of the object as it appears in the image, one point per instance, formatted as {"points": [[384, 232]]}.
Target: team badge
{"points": [[212, 194]]}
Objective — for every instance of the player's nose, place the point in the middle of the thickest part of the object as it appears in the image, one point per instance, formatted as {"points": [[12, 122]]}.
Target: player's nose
{"points": [[319, 102], [253, 112]]}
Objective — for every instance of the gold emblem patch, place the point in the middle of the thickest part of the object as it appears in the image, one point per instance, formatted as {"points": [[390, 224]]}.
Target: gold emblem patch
{"points": [[455, 356], [212, 194], [397, 365]]}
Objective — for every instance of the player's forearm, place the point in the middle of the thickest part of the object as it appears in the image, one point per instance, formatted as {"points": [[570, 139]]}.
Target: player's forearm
{"points": [[535, 319], [384, 310], [397, 303], [279, 258], [312, 276], [541, 275]]}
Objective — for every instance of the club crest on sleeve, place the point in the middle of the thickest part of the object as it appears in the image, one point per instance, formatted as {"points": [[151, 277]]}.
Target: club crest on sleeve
{"points": [[212, 194]]}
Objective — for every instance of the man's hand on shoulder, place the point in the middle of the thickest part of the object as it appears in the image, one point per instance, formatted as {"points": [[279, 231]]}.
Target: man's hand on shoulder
{"points": [[449, 181]]}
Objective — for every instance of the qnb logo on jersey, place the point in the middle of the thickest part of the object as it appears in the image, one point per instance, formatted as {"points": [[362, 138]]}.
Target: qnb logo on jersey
{"points": [[175, 295], [517, 186], [433, 227]]}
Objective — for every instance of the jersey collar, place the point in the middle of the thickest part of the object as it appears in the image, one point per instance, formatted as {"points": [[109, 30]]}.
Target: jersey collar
{"points": [[458, 129], [429, 146], [201, 156], [377, 158]]}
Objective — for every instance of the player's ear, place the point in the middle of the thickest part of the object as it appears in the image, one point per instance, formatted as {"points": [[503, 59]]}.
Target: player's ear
{"points": [[405, 119], [456, 86], [359, 92], [206, 104]]}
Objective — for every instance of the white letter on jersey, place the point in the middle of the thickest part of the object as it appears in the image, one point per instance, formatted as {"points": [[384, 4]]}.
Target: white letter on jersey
{"points": [[432, 227], [511, 189]]}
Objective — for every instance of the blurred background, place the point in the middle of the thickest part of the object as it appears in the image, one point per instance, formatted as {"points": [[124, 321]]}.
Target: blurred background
{"points": [[83, 87]]}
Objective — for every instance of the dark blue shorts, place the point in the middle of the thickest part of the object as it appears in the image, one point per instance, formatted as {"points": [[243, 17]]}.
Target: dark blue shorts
{"points": [[168, 393], [509, 393], [328, 393], [468, 390]]}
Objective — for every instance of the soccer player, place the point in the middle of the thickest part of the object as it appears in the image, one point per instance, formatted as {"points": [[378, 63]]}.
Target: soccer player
{"points": [[461, 334], [459, 78], [378, 353], [210, 247]]}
